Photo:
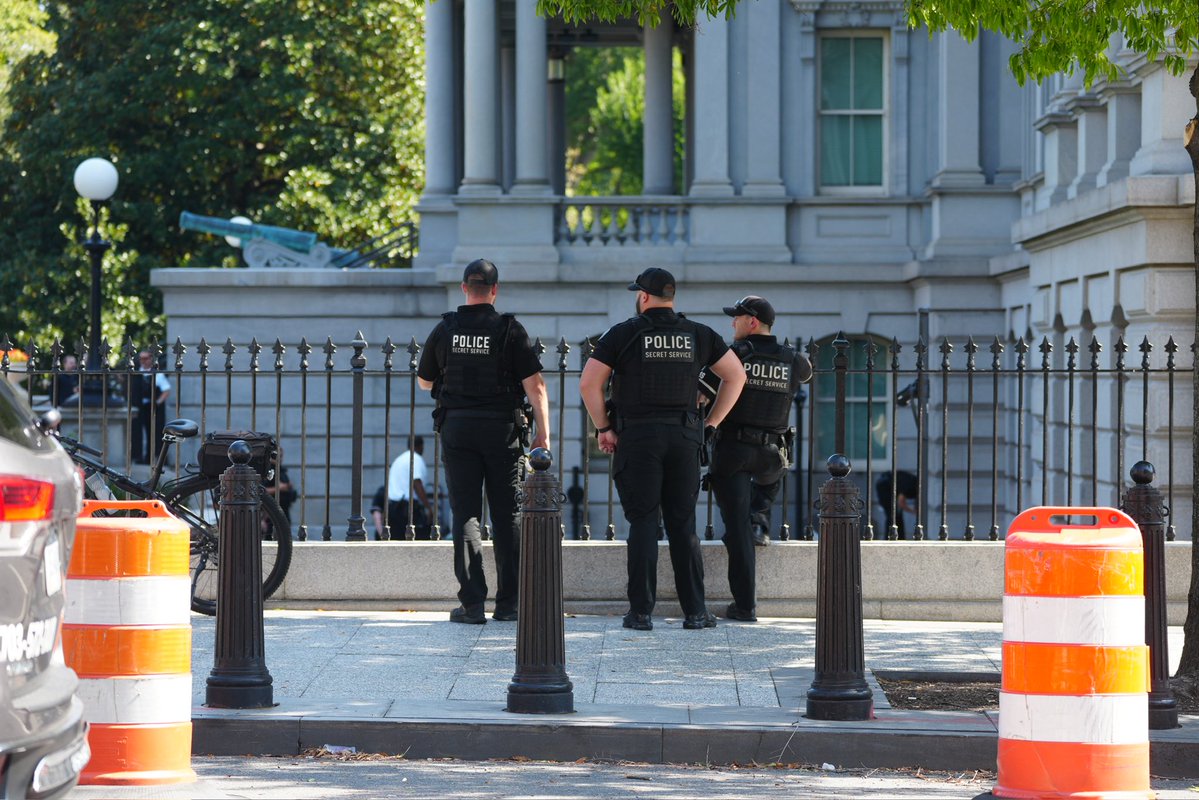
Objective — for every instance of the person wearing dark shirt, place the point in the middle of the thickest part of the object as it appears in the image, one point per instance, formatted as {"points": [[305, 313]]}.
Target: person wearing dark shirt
{"points": [[481, 366], [750, 455], [907, 493], [655, 433]]}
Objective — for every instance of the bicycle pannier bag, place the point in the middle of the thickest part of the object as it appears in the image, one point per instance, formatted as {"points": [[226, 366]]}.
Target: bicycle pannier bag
{"points": [[214, 452]]}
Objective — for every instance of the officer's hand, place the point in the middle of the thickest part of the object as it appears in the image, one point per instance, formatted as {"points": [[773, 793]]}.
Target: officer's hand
{"points": [[607, 441], [709, 435], [540, 440]]}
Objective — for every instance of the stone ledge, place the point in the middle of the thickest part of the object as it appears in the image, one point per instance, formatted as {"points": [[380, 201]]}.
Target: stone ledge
{"points": [[952, 581]]}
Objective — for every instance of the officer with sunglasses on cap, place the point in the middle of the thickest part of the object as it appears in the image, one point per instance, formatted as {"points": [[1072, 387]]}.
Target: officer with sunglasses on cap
{"points": [[655, 432], [751, 455]]}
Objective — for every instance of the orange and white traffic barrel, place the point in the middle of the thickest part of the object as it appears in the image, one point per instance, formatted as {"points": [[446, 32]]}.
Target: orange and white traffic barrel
{"points": [[127, 633], [1074, 703]]}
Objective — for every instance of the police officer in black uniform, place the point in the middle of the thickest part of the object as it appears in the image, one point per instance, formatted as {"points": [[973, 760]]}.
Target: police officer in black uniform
{"points": [[656, 432], [481, 366], [750, 454]]}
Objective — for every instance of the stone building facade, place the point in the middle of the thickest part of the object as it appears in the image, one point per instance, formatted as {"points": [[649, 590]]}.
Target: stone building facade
{"points": [[866, 177]]}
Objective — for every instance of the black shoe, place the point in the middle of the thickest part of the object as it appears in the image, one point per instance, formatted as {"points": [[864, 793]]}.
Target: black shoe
{"points": [[761, 536], [694, 622], [468, 616], [504, 615], [638, 622], [734, 612]]}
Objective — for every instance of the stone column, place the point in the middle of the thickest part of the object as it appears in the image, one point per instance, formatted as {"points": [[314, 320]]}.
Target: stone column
{"points": [[555, 103], [508, 117], [439, 98], [531, 100], [763, 100], [1092, 142], [657, 144], [712, 109], [1166, 105], [439, 217], [481, 102], [1123, 130], [957, 112], [1061, 153]]}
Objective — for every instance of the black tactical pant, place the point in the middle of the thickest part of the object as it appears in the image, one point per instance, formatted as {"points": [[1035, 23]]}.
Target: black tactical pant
{"points": [[740, 471], [657, 471], [483, 454]]}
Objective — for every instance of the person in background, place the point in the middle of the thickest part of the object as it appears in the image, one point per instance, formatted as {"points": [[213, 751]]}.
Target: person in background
{"points": [[148, 391], [907, 493], [398, 480]]}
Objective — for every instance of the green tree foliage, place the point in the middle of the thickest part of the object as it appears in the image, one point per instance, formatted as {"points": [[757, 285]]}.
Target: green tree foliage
{"points": [[1055, 35], [605, 102], [301, 113], [646, 12]]}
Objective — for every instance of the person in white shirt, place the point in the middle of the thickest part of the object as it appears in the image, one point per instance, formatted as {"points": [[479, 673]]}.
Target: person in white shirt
{"points": [[399, 477]]}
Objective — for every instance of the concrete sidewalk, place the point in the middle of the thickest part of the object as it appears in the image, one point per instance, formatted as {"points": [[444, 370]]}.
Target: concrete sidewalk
{"points": [[415, 684]]}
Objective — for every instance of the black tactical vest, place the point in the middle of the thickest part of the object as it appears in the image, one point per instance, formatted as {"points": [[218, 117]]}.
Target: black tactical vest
{"points": [[658, 371], [475, 365], [765, 402]]}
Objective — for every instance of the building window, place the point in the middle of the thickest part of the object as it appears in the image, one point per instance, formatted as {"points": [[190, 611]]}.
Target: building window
{"points": [[853, 112], [866, 429]]}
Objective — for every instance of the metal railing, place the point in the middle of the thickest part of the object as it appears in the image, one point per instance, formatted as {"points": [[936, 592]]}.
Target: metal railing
{"points": [[992, 429]]}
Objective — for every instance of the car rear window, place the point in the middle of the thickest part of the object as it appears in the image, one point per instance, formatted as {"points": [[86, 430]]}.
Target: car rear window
{"points": [[17, 423]]}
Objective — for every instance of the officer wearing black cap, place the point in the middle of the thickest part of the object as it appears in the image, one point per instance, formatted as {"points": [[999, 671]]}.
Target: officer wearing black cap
{"points": [[655, 432], [481, 366], [750, 455]]}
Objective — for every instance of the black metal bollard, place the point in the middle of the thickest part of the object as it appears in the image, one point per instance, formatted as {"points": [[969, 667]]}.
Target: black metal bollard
{"points": [[239, 677], [1143, 502], [839, 690], [540, 684]]}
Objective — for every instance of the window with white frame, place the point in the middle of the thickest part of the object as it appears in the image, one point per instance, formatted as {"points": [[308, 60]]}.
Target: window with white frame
{"points": [[853, 111]]}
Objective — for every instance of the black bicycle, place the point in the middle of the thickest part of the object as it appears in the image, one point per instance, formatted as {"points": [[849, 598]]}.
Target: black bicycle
{"points": [[194, 498]]}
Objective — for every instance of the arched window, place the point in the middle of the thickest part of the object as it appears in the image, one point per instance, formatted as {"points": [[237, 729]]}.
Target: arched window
{"points": [[866, 393]]}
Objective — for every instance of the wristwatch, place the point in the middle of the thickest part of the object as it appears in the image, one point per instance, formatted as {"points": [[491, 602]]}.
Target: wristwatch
{"points": [[604, 429]]}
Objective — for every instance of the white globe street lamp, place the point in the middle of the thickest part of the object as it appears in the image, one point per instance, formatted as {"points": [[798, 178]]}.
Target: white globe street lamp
{"points": [[96, 181]]}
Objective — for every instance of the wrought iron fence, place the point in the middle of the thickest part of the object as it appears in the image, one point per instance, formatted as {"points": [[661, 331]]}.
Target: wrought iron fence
{"points": [[992, 429]]}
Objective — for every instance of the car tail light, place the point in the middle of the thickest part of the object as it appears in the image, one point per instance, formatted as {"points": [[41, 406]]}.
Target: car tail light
{"points": [[25, 499]]}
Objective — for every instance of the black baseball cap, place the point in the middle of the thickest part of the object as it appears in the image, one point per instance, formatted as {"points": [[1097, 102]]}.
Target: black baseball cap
{"points": [[753, 306], [481, 271], [653, 281]]}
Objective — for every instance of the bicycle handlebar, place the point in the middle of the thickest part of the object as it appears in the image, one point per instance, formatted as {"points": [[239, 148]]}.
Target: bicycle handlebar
{"points": [[74, 445]]}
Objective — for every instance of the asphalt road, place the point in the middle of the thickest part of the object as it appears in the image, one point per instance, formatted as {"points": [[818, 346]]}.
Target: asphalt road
{"points": [[380, 778]]}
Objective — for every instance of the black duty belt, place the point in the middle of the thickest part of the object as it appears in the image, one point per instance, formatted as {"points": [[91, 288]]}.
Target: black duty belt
{"points": [[478, 413], [760, 436], [682, 418]]}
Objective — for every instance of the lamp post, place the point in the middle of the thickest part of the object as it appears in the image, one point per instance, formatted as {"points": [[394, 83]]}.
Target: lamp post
{"points": [[96, 181]]}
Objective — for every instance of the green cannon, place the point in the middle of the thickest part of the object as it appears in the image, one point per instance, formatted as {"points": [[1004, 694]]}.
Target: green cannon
{"points": [[266, 246]]}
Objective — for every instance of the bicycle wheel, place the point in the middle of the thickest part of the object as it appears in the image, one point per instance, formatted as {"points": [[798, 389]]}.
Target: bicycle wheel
{"points": [[196, 499]]}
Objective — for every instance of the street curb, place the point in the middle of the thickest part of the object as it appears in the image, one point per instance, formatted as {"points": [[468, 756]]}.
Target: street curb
{"points": [[845, 745]]}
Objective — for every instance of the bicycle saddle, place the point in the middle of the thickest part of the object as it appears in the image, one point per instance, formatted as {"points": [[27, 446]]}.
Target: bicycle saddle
{"points": [[181, 429]]}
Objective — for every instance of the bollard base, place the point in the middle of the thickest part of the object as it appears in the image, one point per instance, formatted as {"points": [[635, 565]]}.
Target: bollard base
{"points": [[239, 695], [1163, 714], [541, 702], [841, 704]]}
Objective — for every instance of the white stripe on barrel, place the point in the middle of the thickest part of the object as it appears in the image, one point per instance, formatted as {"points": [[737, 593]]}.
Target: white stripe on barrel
{"points": [[159, 600], [142, 700], [1084, 719], [1107, 621]]}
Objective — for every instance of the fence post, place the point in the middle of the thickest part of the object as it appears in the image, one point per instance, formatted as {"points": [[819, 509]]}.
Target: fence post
{"points": [[239, 677], [839, 690], [1143, 502], [356, 532], [540, 684]]}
